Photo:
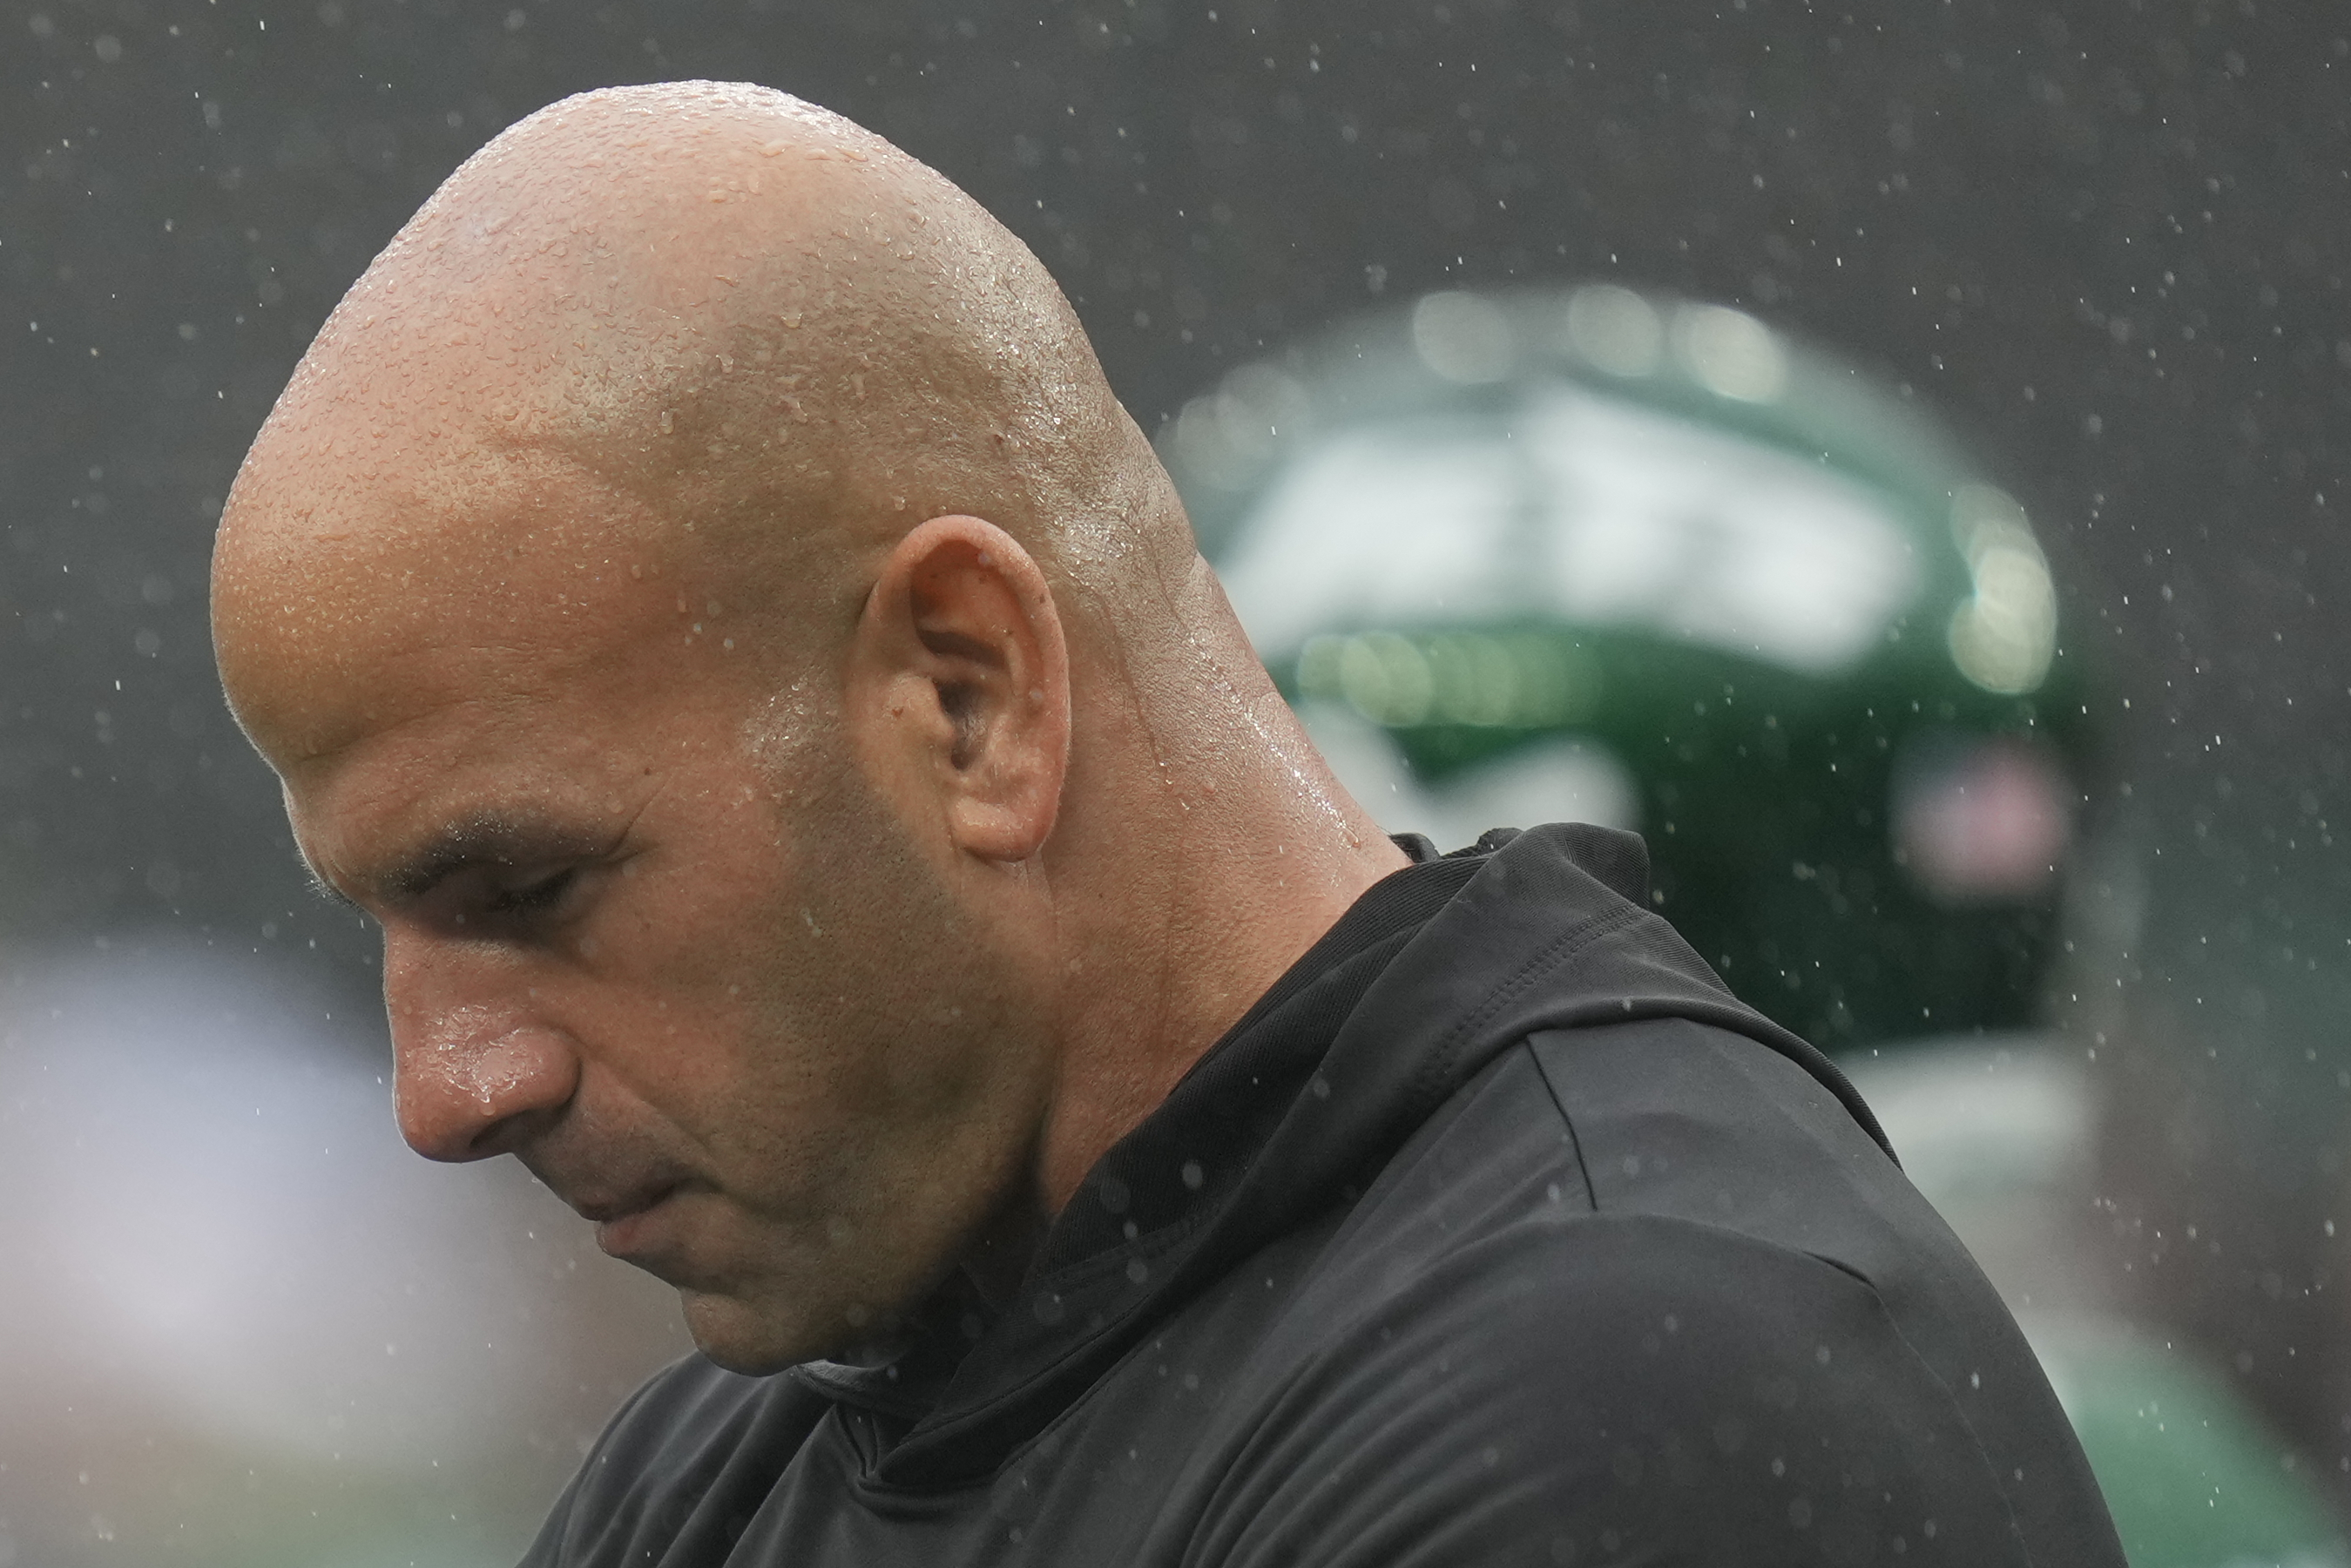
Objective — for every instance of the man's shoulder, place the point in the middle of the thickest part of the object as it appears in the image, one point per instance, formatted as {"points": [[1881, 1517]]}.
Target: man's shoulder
{"points": [[1666, 1118], [1600, 1176], [1653, 1281], [1661, 1389]]}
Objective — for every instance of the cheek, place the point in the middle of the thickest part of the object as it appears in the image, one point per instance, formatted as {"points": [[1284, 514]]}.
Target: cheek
{"points": [[738, 984], [815, 990], [696, 913], [884, 998]]}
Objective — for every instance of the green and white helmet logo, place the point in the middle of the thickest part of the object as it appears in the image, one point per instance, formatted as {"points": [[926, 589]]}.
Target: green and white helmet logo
{"points": [[1601, 555]]}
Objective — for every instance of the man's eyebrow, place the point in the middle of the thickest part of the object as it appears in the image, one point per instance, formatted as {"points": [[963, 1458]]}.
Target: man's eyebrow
{"points": [[490, 838]]}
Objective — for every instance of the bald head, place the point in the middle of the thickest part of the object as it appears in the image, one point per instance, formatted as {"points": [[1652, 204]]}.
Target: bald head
{"points": [[778, 336], [701, 597]]}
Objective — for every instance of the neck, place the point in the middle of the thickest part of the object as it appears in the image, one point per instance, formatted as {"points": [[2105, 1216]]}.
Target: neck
{"points": [[1228, 850]]}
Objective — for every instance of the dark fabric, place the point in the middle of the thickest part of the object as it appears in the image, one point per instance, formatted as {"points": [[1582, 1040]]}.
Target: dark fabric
{"points": [[1496, 1232]]}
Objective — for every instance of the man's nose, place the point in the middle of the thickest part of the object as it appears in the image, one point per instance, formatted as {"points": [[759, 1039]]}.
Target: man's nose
{"points": [[470, 1079]]}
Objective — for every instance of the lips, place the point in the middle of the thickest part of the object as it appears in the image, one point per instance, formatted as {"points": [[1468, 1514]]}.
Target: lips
{"points": [[626, 1230], [623, 1215], [607, 1211], [624, 1189]]}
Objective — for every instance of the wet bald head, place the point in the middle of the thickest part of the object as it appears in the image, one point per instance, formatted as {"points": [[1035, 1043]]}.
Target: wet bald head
{"points": [[775, 339], [701, 599]]}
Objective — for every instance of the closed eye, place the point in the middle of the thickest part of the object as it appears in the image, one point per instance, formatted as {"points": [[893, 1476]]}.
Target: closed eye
{"points": [[537, 896]]}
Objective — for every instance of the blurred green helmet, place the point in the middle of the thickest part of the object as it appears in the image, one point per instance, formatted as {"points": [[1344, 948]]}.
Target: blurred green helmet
{"points": [[1604, 555]]}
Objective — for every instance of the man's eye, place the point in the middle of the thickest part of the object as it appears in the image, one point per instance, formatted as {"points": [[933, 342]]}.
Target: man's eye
{"points": [[537, 896]]}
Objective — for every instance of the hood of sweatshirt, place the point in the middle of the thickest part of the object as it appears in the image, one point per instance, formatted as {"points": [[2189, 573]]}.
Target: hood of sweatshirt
{"points": [[1427, 978]]}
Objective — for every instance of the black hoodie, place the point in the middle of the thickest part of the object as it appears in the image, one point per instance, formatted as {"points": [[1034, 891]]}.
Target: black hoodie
{"points": [[1496, 1232]]}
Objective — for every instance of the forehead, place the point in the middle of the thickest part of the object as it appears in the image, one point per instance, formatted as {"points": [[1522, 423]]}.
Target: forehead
{"points": [[528, 674], [454, 506], [484, 782], [370, 575]]}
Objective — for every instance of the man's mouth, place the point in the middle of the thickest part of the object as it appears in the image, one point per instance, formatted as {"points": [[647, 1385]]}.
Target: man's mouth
{"points": [[624, 1223]]}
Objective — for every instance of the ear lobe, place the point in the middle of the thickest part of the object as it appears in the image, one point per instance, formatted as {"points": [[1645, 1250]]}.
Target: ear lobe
{"points": [[959, 687]]}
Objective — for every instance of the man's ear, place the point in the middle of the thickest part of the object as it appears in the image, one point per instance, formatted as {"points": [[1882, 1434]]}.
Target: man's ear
{"points": [[958, 690]]}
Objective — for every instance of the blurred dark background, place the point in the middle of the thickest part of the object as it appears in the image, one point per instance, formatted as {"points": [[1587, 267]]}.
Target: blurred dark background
{"points": [[2107, 242]]}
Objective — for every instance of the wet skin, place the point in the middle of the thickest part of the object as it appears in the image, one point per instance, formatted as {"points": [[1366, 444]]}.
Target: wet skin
{"points": [[808, 888], [608, 950]]}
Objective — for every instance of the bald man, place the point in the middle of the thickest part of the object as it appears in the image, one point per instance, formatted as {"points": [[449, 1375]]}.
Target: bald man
{"points": [[702, 598]]}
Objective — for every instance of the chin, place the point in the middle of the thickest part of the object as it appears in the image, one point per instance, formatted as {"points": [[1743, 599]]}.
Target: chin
{"points": [[755, 1339]]}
